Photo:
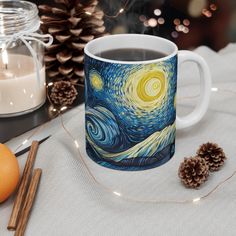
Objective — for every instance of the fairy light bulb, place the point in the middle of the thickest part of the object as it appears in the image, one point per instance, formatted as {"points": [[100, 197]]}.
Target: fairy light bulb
{"points": [[119, 11], [117, 193], [63, 108], [195, 200], [214, 89], [24, 142], [5, 58], [76, 144]]}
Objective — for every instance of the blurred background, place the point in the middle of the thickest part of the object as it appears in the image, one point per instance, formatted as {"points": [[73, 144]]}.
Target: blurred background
{"points": [[189, 23]]}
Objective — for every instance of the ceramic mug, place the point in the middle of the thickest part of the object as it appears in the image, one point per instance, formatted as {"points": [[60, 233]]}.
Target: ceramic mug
{"points": [[130, 106]]}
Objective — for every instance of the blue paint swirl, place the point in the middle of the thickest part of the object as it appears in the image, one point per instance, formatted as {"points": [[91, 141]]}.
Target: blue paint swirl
{"points": [[125, 125], [102, 128]]}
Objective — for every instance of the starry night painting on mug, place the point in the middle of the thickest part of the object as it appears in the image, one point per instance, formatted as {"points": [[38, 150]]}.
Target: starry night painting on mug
{"points": [[130, 113]]}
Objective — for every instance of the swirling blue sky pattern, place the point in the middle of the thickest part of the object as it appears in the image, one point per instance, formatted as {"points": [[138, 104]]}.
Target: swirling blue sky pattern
{"points": [[119, 115]]}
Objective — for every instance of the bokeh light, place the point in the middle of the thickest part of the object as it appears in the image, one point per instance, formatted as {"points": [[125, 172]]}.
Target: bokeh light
{"points": [[186, 22], [152, 22], [145, 23], [186, 30], [174, 34], [180, 27], [206, 13], [161, 20], [157, 12], [213, 7], [176, 21], [142, 18]]}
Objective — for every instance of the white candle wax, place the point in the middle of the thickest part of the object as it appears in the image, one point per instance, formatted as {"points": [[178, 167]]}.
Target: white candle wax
{"points": [[20, 90]]}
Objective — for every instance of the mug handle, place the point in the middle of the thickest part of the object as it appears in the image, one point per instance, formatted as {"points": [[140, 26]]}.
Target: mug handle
{"points": [[205, 89]]}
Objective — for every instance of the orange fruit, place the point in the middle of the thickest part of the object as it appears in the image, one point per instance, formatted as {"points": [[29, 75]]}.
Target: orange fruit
{"points": [[9, 172]]}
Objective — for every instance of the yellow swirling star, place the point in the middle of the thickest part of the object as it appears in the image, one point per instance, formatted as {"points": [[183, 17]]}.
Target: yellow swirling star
{"points": [[151, 87], [146, 88], [96, 81]]}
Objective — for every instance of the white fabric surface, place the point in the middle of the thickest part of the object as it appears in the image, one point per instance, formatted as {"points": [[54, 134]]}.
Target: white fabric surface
{"points": [[70, 203]]}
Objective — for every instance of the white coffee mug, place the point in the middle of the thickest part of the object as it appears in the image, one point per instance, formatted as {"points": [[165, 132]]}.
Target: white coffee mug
{"points": [[131, 105]]}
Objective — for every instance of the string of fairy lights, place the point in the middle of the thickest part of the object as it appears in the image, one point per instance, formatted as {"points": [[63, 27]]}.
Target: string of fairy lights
{"points": [[75, 143]]}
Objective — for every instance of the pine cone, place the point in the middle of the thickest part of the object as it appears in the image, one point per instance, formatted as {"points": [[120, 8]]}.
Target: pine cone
{"points": [[72, 23], [63, 93], [213, 154], [193, 171]]}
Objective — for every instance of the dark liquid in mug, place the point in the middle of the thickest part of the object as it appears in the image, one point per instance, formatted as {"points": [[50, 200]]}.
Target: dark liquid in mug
{"points": [[131, 54]]}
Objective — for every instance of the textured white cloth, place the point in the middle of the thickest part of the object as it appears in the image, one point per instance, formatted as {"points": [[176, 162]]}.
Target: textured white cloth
{"points": [[70, 203]]}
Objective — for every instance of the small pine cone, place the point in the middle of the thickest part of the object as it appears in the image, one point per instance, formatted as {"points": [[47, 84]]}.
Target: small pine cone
{"points": [[193, 171], [213, 154], [63, 93]]}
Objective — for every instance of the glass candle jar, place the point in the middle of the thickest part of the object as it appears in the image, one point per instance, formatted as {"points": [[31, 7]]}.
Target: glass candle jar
{"points": [[22, 70]]}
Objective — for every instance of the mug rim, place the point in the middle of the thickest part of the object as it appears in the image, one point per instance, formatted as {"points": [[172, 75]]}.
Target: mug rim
{"points": [[97, 40]]}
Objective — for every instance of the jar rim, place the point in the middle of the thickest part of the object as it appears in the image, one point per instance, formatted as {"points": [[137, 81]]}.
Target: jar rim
{"points": [[17, 16]]}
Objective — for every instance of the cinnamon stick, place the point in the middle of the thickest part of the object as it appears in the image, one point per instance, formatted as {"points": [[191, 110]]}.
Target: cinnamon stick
{"points": [[29, 200], [23, 186]]}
